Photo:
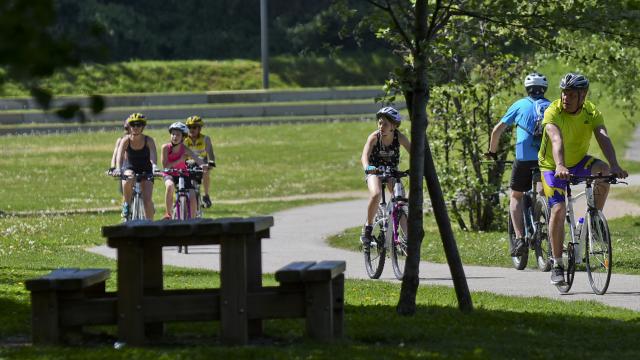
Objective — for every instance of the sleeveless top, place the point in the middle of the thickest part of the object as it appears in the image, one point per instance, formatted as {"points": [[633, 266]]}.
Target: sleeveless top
{"points": [[198, 146], [173, 156], [382, 155], [139, 160]]}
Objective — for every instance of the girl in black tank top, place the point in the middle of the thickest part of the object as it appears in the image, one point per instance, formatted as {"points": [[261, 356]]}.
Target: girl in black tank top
{"points": [[382, 155], [138, 160]]}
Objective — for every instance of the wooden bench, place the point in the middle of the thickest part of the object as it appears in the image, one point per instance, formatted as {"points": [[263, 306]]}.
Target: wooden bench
{"points": [[57, 302], [323, 287]]}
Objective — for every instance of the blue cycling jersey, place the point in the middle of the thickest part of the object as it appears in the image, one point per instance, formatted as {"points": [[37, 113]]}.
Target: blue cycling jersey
{"points": [[523, 114]]}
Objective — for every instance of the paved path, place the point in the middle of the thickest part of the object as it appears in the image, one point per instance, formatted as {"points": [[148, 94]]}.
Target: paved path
{"points": [[300, 234]]}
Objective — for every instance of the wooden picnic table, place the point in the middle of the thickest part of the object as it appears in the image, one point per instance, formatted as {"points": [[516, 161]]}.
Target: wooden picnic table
{"points": [[141, 297]]}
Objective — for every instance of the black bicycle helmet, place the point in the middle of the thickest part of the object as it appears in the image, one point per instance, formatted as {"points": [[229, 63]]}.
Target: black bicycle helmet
{"points": [[573, 81]]}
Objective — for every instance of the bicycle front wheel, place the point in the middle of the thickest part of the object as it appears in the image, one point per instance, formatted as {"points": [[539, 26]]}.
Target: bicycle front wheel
{"points": [[598, 253], [541, 242], [399, 244], [137, 207], [375, 252]]}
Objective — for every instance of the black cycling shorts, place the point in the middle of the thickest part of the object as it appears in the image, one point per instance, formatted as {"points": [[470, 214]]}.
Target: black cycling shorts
{"points": [[521, 175]]}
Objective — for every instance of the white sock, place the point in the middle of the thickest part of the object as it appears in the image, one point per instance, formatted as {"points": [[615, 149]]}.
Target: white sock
{"points": [[557, 261]]}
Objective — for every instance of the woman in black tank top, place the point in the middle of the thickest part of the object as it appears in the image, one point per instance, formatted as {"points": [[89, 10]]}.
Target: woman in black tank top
{"points": [[381, 149], [141, 157]]}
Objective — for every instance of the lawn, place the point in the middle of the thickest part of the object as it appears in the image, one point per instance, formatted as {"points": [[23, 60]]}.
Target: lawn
{"points": [[500, 327]]}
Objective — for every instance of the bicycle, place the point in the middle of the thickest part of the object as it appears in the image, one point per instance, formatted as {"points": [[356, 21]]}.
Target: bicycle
{"points": [[535, 214], [181, 207], [136, 210], [196, 182], [394, 213], [598, 254]]}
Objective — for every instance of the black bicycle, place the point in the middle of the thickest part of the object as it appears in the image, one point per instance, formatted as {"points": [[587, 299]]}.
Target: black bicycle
{"points": [[535, 213]]}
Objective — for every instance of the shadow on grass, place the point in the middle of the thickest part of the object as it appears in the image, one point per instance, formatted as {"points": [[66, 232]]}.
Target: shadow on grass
{"points": [[376, 331]]}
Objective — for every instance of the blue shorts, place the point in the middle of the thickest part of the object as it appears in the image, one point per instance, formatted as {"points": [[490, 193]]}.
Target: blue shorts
{"points": [[555, 188]]}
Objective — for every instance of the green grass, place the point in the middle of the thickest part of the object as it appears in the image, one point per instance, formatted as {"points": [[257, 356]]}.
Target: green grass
{"points": [[500, 326], [204, 75], [66, 171], [627, 193], [491, 248]]}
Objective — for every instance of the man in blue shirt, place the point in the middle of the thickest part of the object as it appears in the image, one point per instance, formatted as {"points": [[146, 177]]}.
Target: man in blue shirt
{"points": [[522, 114]]}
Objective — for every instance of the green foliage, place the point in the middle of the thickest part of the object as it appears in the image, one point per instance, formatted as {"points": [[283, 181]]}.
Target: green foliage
{"points": [[462, 118]]}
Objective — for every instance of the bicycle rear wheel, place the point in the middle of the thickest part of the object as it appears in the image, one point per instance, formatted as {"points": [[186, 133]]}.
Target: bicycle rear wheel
{"points": [[519, 262], [399, 245], [571, 269], [598, 253], [375, 252], [137, 207], [541, 243]]}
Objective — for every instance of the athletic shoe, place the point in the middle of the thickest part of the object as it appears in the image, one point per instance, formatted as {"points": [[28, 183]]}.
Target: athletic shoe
{"points": [[557, 275], [206, 201], [365, 236], [520, 248]]}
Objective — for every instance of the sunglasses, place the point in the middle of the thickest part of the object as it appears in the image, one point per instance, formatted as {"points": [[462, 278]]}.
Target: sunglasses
{"points": [[194, 127], [136, 124]]}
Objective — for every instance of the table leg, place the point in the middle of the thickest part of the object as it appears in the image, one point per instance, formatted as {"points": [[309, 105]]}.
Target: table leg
{"points": [[233, 291], [152, 266], [254, 277], [130, 295]]}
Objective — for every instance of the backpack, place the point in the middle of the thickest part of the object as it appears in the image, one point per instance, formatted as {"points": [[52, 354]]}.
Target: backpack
{"points": [[539, 107]]}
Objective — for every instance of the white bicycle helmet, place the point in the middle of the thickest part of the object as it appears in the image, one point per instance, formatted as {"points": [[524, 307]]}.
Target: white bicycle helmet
{"points": [[179, 126], [535, 79], [573, 81], [390, 113]]}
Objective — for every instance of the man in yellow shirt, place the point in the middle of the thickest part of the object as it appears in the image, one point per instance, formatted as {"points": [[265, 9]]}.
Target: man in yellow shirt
{"points": [[568, 124], [202, 146]]}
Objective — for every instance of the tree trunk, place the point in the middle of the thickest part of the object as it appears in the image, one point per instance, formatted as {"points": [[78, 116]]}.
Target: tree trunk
{"points": [[446, 233], [411, 279], [417, 103]]}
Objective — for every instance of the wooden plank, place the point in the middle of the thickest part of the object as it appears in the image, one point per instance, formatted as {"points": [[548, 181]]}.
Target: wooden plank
{"points": [[276, 303], [96, 311], [325, 270], [130, 295], [292, 272], [319, 315], [246, 225], [233, 291], [197, 306], [68, 279]]}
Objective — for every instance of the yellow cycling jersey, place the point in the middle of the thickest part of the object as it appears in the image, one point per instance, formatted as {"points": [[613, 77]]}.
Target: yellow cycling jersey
{"points": [[198, 146], [576, 133]]}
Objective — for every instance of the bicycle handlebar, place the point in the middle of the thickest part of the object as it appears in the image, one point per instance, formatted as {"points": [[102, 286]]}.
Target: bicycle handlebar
{"points": [[387, 171], [611, 179]]}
